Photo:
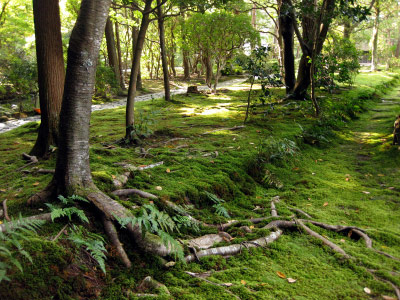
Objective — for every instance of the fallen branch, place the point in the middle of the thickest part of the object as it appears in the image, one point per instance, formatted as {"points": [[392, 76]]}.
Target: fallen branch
{"points": [[112, 234], [10, 225], [198, 276], [328, 243], [127, 192], [5, 211], [221, 129], [235, 248]]}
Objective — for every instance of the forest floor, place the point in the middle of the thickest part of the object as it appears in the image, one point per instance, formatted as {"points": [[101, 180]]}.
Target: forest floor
{"points": [[347, 174]]}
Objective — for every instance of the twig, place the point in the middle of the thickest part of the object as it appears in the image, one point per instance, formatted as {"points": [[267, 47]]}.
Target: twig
{"points": [[5, 211], [59, 233], [195, 275]]}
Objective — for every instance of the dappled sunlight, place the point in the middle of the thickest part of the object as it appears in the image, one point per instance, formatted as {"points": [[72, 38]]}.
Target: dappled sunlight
{"points": [[217, 109]]}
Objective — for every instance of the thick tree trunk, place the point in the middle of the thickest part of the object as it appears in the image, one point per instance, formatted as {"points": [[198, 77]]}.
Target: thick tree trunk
{"points": [[160, 16], [121, 74], [112, 51], [308, 25], [287, 33], [374, 43], [51, 73], [135, 34], [130, 121]]}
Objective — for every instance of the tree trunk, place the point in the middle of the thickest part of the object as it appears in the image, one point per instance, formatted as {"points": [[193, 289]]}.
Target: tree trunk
{"points": [[160, 16], [121, 74], [112, 50], [208, 65], [287, 33], [51, 73], [375, 30], [135, 34], [130, 121], [309, 27], [173, 50], [347, 28]]}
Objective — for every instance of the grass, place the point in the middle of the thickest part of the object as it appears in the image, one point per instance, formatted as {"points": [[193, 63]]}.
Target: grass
{"points": [[352, 179]]}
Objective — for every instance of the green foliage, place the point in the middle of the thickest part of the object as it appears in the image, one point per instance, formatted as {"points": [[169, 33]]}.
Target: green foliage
{"points": [[150, 219], [272, 150], [65, 210], [106, 83], [92, 242], [337, 63], [10, 247], [218, 205]]}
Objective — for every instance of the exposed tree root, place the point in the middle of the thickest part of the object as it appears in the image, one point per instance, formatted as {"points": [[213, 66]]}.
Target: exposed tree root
{"points": [[32, 160], [112, 209], [10, 225], [127, 192], [301, 212], [113, 236], [235, 248], [208, 240], [331, 245], [44, 195], [40, 171], [395, 287], [274, 212], [148, 283], [5, 211], [199, 276]]}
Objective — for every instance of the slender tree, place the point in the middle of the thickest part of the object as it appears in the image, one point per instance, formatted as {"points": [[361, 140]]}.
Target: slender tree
{"points": [[160, 18], [51, 73], [112, 52], [374, 41]]}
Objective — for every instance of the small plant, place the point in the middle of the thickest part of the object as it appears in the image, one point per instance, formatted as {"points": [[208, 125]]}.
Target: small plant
{"points": [[141, 129], [68, 208], [92, 242], [277, 149], [218, 205], [10, 244]]}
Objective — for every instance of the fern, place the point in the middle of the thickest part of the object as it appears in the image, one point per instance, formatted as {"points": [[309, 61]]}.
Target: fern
{"points": [[58, 211], [218, 206], [150, 219], [10, 243], [94, 244]]}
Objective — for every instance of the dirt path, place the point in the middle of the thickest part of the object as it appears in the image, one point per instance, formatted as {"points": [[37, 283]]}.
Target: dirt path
{"points": [[9, 125]]}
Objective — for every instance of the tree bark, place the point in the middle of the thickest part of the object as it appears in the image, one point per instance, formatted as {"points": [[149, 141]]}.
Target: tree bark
{"points": [[308, 36], [51, 73], [130, 121], [208, 66], [375, 30], [163, 52], [287, 32], [135, 34]]}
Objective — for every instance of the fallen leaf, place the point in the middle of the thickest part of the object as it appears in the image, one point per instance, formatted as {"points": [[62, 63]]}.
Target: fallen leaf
{"points": [[325, 204], [367, 290], [258, 131], [158, 188], [212, 161], [309, 199], [343, 240], [365, 192], [251, 143], [388, 298], [391, 188], [243, 282], [1, 222], [312, 173], [296, 169], [308, 204], [381, 175], [36, 183], [113, 176], [347, 178], [291, 280], [168, 170], [280, 274], [251, 227], [170, 264], [228, 284]]}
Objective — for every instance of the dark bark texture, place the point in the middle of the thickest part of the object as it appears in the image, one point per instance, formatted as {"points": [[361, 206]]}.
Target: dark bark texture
{"points": [[51, 73], [112, 51], [161, 30]]}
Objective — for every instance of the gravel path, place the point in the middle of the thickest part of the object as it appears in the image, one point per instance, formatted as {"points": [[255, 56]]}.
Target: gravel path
{"points": [[9, 125]]}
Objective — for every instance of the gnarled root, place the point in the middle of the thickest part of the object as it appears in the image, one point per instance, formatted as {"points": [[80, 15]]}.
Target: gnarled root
{"points": [[5, 211], [113, 236], [127, 192], [235, 248]]}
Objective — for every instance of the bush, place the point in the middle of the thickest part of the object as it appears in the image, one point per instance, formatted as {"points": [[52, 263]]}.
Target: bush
{"points": [[106, 83]]}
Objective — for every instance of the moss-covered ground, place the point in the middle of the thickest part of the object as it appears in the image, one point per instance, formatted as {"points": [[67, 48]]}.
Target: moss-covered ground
{"points": [[342, 171]]}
